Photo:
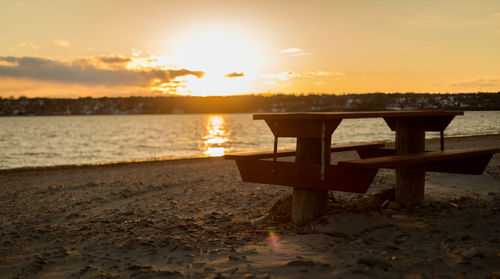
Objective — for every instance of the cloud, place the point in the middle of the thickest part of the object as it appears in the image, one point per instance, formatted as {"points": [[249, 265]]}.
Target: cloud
{"points": [[496, 14], [169, 88], [295, 51], [60, 42], [84, 72], [291, 50], [136, 52], [28, 44], [291, 75], [477, 83], [114, 59], [235, 74], [8, 62]]}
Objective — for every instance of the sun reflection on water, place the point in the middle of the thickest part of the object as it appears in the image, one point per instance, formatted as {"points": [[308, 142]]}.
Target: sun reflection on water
{"points": [[216, 136]]}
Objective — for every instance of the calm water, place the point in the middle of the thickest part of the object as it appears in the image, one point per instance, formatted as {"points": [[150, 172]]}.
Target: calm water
{"points": [[62, 140]]}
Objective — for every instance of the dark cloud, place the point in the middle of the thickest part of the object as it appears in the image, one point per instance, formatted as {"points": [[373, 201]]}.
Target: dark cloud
{"points": [[83, 72], [114, 59], [172, 88], [235, 74]]}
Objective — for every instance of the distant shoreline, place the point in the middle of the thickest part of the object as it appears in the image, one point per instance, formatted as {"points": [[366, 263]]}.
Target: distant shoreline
{"points": [[433, 140], [196, 113], [248, 104]]}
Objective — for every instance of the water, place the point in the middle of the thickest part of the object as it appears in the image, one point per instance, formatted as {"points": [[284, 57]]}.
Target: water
{"points": [[63, 140]]}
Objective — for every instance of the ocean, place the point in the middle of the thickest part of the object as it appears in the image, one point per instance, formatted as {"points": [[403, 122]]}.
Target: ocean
{"points": [[34, 141]]}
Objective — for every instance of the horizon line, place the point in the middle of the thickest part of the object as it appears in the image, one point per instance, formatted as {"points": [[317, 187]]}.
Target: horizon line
{"points": [[264, 94]]}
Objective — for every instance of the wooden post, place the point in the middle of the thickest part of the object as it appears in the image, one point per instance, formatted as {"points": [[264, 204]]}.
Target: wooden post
{"points": [[307, 203], [410, 179], [441, 139]]}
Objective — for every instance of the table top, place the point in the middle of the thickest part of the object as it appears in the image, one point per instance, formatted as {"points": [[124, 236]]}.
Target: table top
{"points": [[357, 114]]}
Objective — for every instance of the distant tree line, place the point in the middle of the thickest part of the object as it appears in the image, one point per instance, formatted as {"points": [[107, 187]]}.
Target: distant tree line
{"points": [[247, 104]]}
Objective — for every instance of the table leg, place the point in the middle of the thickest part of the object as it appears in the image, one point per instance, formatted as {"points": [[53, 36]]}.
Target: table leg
{"points": [[410, 179], [308, 203]]}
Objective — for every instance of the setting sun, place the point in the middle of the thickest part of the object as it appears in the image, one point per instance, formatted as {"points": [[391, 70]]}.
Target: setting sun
{"points": [[217, 49], [228, 57]]}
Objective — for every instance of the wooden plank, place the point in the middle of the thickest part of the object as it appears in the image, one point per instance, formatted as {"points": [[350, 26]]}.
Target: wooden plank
{"points": [[356, 146], [302, 128], [423, 157], [435, 123], [366, 153], [259, 155], [473, 164], [306, 175], [333, 148], [352, 115]]}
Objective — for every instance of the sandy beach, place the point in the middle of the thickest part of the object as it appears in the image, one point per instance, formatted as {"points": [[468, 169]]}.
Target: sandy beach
{"points": [[195, 218]]}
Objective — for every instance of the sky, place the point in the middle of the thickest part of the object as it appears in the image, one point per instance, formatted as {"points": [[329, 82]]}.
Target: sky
{"points": [[81, 48]]}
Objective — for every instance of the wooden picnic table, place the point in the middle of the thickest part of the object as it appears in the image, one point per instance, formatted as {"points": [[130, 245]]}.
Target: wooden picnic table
{"points": [[311, 175], [314, 131]]}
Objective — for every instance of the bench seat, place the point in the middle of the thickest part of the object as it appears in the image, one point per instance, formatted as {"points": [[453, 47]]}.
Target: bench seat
{"points": [[334, 148], [466, 161], [354, 176], [257, 168], [306, 175]]}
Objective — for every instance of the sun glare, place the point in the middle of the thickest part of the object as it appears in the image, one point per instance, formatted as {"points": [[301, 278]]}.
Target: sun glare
{"points": [[220, 52]]}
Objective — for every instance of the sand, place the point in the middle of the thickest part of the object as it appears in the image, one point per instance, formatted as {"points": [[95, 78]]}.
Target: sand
{"points": [[195, 218]]}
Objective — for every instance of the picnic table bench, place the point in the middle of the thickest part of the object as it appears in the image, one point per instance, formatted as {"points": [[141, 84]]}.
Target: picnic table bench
{"points": [[463, 161], [334, 148], [311, 175]]}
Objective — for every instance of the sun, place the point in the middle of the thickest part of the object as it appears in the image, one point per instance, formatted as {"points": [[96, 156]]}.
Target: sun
{"points": [[218, 51], [229, 57]]}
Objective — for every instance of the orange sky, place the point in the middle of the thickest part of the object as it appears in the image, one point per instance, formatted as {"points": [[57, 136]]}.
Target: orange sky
{"points": [[123, 48]]}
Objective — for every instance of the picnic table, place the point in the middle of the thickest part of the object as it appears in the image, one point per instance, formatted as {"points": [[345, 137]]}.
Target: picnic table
{"points": [[311, 175]]}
